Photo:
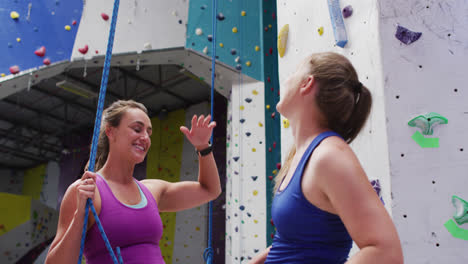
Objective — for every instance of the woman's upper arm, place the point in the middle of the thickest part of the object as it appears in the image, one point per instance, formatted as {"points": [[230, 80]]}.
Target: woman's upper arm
{"points": [[355, 201], [67, 211]]}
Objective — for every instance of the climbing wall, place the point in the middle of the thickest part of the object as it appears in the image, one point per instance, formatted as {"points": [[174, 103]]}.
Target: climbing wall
{"points": [[424, 67], [141, 25], [311, 30], [245, 182], [34, 34], [28, 222], [238, 35]]}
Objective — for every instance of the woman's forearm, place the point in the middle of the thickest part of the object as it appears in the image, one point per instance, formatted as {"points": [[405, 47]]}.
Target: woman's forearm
{"points": [[67, 249], [208, 175]]}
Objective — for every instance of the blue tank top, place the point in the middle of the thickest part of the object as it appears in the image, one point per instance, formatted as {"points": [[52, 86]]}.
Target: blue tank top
{"points": [[305, 233]]}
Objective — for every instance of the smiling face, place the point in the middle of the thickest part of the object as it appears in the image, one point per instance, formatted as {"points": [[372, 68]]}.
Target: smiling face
{"points": [[131, 138]]}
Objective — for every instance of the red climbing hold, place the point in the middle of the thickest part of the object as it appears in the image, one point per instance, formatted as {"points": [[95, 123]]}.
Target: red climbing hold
{"points": [[270, 178], [269, 149], [268, 79], [46, 61], [14, 69], [40, 51], [97, 51], [83, 50], [266, 29], [273, 15], [274, 144], [271, 51], [271, 222], [278, 166], [273, 115], [104, 16], [74, 22]]}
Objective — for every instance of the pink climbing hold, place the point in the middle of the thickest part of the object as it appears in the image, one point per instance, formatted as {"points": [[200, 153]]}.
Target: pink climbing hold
{"points": [[74, 22], [14, 69], [271, 51], [97, 51], [46, 61], [278, 166], [83, 50], [104, 16], [40, 51]]}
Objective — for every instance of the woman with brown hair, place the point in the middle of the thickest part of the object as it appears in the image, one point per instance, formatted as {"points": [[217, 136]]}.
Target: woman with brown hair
{"points": [[129, 209], [324, 201]]}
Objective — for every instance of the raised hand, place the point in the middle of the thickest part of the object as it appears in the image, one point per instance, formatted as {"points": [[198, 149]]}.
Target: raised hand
{"points": [[200, 132]]}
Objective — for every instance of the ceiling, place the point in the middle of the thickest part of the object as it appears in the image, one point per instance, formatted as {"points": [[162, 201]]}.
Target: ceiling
{"points": [[36, 124]]}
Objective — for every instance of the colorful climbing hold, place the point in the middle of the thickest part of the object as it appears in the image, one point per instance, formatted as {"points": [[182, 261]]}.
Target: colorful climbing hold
{"points": [[14, 69], [255, 192], [67, 28], [210, 38], [254, 92], [241, 107], [14, 15], [248, 63], [254, 150], [198, 31], [238, 67], [2, 74], [267, 106], [220, 16], [221, 45], [278, 166], [83, 50], [18, 39], [234, 30], [407, 36], [248, 100], [74, 23], [46, 61], [320, 31], [260, 124], [40, 51], [283, 40], [105, 16], [347, 11], [286, 123], [257, 48], [243, 13], [233, 51]]}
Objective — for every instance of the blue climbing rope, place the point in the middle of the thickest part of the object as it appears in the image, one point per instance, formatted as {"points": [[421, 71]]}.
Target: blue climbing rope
{"points": [[208, 253], [97, 126]]}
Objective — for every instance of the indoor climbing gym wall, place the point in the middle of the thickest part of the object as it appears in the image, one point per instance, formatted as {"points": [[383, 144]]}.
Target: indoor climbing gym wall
{"points": [[28, 218], [142, 25], [424, 57], [306, 27], [35, 34]]}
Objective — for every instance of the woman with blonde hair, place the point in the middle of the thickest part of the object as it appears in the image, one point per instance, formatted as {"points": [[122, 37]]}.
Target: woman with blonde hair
{"points": [[323, 199], [129, 209]]}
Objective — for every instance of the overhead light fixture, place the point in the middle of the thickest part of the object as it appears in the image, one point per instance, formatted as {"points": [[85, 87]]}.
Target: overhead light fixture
{"points": [[77, 88]]}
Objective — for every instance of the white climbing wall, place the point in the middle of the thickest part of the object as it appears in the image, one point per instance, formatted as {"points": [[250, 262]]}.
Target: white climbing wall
{"points": [[245, 184], [363, 50], [428, 75], [141, 25], [191, 228]]}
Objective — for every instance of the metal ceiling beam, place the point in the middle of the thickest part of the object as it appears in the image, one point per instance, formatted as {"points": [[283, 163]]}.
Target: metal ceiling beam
{"points": [[25, 155], [39, 111], [75, 104], [92, 85], [160, 87], [15, 137]]}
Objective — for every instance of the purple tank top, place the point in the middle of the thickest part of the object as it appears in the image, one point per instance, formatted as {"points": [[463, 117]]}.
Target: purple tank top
{"points": [[136, 231]]}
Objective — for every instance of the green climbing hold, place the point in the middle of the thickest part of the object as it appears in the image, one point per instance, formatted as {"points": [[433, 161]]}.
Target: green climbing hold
{"points": [[427, 122], [461, 210]]}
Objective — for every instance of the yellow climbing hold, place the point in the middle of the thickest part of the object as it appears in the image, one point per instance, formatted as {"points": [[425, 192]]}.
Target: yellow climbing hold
{"points": [[243, 13], [254, 92], [256, 221], [255, 235], [241, 107], [197, 228], [320, 31], [286, 123], [3, 75], [269, 25], [267, 106], [254, 150], [67, 28], [255, 192], [18, 39], [275, 172], [14, 15], [257, 48], [260, 124], [283, 40], [221, 45], [234, 30], [248, 63]]}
